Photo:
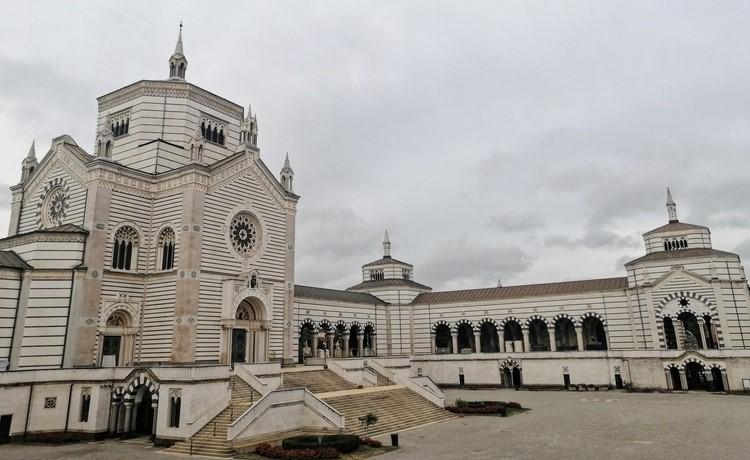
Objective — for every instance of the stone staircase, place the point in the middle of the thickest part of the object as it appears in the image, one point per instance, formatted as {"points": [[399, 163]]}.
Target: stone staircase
{"points": [[317, 380], [382, 380], [211, 440], [396, 407]]}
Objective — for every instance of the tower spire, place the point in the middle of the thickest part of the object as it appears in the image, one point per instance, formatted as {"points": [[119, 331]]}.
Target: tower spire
{"points": [[178, 62], [386, 245], [287, 175], [32, 150], [29, 164], [671, 208]]}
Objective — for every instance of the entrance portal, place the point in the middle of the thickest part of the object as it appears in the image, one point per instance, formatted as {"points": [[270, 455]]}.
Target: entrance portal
{"points": [[696, 380], [144, 412], [239, 345]]}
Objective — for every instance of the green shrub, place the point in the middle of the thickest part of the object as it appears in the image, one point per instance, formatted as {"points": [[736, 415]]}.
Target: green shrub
{"points": [[342, 443]]}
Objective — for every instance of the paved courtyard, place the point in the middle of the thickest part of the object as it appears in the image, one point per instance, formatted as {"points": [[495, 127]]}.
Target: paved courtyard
{"points": [[588, 425]]}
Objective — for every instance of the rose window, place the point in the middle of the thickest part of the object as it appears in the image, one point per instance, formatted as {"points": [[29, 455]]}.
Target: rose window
{"points": [[684, 302], [244, 234], [56, 207]]}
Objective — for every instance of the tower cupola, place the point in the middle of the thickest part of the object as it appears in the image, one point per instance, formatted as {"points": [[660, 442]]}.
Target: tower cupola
{"points": [[29, 164], [178, 62]]}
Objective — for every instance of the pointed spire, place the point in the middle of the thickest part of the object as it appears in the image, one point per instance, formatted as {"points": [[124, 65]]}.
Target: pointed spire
{"points": [[177, 61], [32, 151], [286, 162], [178, 47], [287, 175], [386, 245], [249, 112], [671, 207]]}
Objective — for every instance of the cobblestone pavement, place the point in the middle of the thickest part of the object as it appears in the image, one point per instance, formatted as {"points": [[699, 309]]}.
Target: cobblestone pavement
{"points": [[590, 425], [560, 425]]}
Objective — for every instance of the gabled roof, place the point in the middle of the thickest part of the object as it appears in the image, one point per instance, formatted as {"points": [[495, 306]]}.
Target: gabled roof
{"points": [[682, 254], [387, 260], [309, 292], [528, 290], [675, 227], [64, 228], [9, 259], [393, 282]]}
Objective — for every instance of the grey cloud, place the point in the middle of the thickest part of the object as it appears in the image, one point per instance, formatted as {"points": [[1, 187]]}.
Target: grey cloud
{"points": [[515, 222]]}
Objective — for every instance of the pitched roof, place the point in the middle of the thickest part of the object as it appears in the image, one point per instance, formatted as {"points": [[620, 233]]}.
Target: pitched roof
{"points": [[527, 290], [393, 282], [65, 228], [9, 259], [386, 260], [681, 254], [675, 227], [309, 292]]}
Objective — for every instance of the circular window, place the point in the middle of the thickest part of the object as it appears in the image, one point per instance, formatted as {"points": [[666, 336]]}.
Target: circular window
{"points": [[244, 234], [55, 208]]}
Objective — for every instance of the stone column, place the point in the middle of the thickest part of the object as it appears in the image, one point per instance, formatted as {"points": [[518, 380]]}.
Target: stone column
{"points": [[113, 410], [188, 275], [683, 379], [668, 375], [725, 380], [579, 337], [702, 331], [477, 342], [454, 338], [87, 291], [315, 345], [374, 342], [525, 333], [249, 337], [360, 344], [501, 340], [128, 415], [331, 346], [552, 341], [433, 346], [155, 406], [679, 332], [133, 417], [347, 352]]}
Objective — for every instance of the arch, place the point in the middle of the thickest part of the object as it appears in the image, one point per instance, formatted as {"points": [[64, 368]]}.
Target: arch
{"points": [[489, 339], [355, 338], [370, 347], [512, 333], [307, 332], [125, 246], [247, 310], [682, 294], [215, 135], [693, 334], [539, 339], [594, 334], [695, 374], [443, 339], [221, 137], [566, 338], [142, 394], [511, 373], [166, 248], [465, 336], [673, 374]]}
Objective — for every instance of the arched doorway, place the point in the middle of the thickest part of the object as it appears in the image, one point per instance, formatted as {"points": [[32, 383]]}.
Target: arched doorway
{"points": [[144, 412], [306, 338], [594, 336], [246, 333], [465, 337], [670, 335], [565, 335], [696, 379], [674, 374], [538, 335], [510, 375], [488, 338], [717, 379], [443, 341], [513, 336], [134, 409]]}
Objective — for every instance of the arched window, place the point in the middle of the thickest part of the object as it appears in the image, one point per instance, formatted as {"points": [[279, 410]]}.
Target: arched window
{"points": [[125, 249], [175, 404], [465, 338], [171, 69], [538, 336], [182, 70], [693, 336], [108, 149], [670, 335], [443, 340], [166, 249], [513, 336], [221, 137], [488, 338], [215, 135], [594, 336], [85, 405], [565, 335], [203, 129]]}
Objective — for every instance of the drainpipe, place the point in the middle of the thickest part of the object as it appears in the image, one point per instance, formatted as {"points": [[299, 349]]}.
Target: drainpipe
{"points": [[28, 412], [67, 415]]}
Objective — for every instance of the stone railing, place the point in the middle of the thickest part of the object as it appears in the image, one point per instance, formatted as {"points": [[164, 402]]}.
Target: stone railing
{"points": [[285, 397], [347, 368], [430, 392], [192, 426], [254, 382]]}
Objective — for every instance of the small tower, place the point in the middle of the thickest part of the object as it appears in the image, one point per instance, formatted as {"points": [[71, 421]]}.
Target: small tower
{"points": [[178, 62], [249, 129], [287, 176], [671, 208], [105, 140], [29, 164], [386, 246]]}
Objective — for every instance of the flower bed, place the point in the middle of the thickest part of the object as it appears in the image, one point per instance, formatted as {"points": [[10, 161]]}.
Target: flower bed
{"points": [[370, 442], [267, 450], [343, 443], [483, 407]]}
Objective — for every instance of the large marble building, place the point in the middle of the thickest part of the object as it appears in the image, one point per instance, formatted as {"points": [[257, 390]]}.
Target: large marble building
{"points": [[161, 265]]}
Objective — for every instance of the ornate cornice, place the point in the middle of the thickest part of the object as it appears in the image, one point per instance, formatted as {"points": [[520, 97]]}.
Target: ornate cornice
{"points": [[41, 236], [174, 89]]}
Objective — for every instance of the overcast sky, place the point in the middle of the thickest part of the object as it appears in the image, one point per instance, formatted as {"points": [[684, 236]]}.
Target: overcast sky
{"points": [[521, 141]]}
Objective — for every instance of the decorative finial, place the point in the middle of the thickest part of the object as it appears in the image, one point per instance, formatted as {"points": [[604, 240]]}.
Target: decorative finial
{"points": [[386, 245], [178, 61], [32, 151], [286, 162], [671, 207]]}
